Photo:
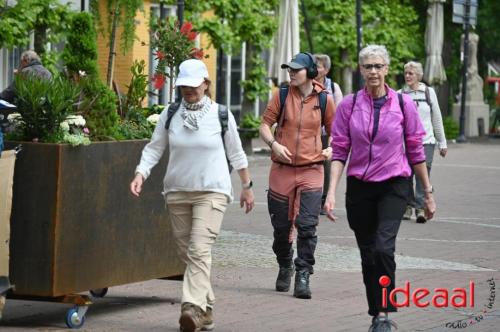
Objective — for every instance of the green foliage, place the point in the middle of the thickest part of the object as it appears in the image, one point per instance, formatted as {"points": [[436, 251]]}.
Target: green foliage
{"points": [[43, 105], [393, 23], [99, 108], [125, 11], [237, 21], [80, 51], [47, 16], [249, 126], [137, 89], [451, 129]]}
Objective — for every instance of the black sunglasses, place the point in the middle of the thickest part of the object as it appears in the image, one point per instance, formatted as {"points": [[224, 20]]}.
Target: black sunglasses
{"points": [[370, 66]]}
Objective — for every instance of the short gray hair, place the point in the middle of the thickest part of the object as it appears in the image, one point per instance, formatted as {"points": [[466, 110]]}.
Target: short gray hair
{"points": [[374, 50], [30, 56], [325, 60], [417, 66]]}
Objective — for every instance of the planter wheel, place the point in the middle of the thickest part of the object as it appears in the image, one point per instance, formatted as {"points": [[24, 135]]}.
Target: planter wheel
{"points": [[99, 292], [75, 317]]}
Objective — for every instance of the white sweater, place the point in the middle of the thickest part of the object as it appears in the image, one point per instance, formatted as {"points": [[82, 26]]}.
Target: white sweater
{"points": [[197, 160], [433, 125]]}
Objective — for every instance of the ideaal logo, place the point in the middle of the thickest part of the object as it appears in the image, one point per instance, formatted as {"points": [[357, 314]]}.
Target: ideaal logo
{"points": [[439, 298]]}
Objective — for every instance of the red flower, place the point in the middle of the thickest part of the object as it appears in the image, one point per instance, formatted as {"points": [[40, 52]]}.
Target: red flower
{"points": [[160, 55], [197, 53], [158, 80], [186, 28], [192, 35]]}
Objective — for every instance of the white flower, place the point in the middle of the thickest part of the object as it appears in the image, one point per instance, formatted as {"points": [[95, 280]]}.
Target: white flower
{"points": [[82, 73], [64, 126], [14, 117], [153, 119], [76, 120]]}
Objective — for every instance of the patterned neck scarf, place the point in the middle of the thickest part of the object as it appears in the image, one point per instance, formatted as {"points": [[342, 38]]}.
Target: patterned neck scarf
{"points": [[194, 113]]}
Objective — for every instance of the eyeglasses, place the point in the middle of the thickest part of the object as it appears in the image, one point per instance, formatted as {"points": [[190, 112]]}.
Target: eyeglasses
{"points": [[370, 66]]}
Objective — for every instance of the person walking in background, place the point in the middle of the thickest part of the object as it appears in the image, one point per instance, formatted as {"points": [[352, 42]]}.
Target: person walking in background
{"points": [[430, 115], [324, 66], [300, 110], [380, 133], [30, 65], [197, 184]]}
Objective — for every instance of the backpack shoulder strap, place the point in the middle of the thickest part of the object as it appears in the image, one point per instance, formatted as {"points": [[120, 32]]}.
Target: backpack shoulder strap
{"points": [[170, 113], [401, 103], [355, 95], [323, 98], [224, 120], [332, 86], [428, 98], [283, 94]]}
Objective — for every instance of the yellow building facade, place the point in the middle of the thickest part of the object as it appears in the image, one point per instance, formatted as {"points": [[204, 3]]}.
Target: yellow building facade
{"points": [[140, 49]]}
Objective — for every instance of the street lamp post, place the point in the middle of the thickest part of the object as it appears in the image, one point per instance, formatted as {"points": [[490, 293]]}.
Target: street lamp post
{"points": [[359, 31], [461, 137]]}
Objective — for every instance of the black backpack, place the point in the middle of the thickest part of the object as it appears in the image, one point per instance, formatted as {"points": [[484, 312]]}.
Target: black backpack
{"points": [[223, 120], [322, 97]]}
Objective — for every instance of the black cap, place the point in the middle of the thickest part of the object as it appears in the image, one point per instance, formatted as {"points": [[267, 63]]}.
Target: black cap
{"points": [[299, 61]]}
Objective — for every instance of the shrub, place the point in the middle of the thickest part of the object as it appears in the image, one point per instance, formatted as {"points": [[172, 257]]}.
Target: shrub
{"points": [[451, 129]]}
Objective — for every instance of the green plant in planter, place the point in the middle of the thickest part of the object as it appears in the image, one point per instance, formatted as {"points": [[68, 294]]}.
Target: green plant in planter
{"points": [[249, 126], [44, 105]]}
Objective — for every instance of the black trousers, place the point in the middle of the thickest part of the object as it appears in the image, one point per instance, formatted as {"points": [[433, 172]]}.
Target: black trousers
{"points": [[305, 223], [374, 212]]}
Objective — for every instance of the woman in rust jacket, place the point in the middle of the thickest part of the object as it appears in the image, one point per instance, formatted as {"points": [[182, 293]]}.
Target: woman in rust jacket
{"points": [[296, 177]]}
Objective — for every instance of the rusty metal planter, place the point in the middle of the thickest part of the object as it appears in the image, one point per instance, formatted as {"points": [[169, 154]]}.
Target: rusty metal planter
{"points": [[76, 227]]}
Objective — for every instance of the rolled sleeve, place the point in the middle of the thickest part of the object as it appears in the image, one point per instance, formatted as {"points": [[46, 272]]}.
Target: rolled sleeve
{"points": [[272, 112], [414, 132], [341, 139]]}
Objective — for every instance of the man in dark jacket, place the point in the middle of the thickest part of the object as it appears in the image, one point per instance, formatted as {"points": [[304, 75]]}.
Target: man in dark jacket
{"points": [[30, 65]]}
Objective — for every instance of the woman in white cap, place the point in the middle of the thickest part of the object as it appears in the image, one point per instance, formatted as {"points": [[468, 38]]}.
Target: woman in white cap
{"points": [[197, 184]]}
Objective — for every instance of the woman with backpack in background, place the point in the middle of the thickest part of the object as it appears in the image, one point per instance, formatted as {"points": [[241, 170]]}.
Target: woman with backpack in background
{"points": [[380, 133], [197, 184], [430, 115], [299, 110], [324, 66]]}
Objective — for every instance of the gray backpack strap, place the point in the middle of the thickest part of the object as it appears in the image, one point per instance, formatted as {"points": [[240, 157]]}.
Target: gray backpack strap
{"points": [[170, 113], [224, 120], [428, 98]]}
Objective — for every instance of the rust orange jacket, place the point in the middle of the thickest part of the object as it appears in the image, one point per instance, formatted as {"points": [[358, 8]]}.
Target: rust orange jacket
{"points": [[300, 129]]}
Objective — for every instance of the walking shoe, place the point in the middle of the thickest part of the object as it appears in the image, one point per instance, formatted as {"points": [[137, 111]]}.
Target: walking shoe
{"points": [[191, 318], [301, 289], [408, 212], [207, 320], [284, 278], [382, 324], [420, 216]]}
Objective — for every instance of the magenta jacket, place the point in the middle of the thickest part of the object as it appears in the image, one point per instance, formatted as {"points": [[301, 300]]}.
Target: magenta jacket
{"points": [[375, 159]]}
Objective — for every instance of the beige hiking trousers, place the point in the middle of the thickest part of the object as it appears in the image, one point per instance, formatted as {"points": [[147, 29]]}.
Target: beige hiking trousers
{"points": [[196, 219]]}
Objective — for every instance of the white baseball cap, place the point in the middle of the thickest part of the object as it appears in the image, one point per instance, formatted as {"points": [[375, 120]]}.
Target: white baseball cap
{"points": [[192, 73]]}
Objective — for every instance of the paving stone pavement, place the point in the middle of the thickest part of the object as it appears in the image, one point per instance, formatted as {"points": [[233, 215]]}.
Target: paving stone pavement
{"points": [[460, 245]]}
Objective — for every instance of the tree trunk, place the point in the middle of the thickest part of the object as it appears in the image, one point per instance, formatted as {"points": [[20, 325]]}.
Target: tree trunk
{"points": [[346, 73], [247, 106], [112, 45], [40, 39]]}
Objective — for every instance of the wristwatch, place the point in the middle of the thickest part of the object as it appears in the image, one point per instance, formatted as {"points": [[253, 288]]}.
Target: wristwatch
{"points": [[247, 185], [429, 190]]}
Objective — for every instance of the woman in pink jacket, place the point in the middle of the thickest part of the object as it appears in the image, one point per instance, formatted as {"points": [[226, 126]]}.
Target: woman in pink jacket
{"points": [[380, 132]]}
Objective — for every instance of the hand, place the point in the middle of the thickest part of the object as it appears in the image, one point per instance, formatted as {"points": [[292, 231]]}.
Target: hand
{"points": [[429, 206], [136, 185], [247, 199], [281, 152], [329, 206], [442, 152], [327, 153]]}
